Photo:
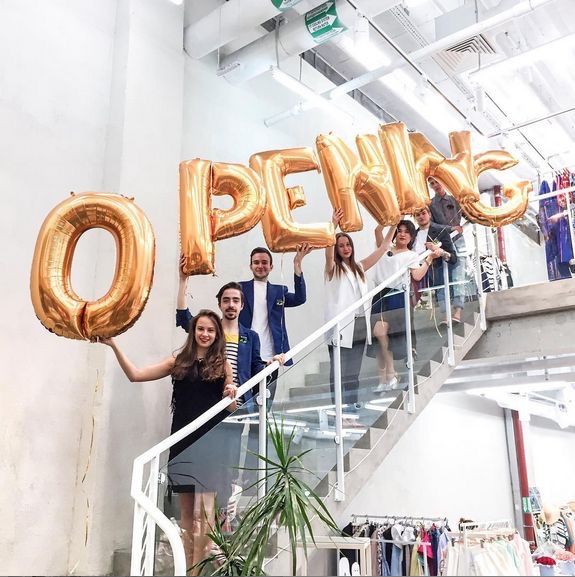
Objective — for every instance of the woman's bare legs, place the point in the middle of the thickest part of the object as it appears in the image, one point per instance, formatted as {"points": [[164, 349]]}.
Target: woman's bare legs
{"points": [[386, 369], [197, 516]]}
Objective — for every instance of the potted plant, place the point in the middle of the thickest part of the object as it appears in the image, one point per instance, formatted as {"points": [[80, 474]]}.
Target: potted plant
{"points": [[289, 504], [546, 565]]}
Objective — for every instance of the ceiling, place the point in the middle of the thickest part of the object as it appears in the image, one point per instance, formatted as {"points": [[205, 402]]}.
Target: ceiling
{"points": [[486, 88]]}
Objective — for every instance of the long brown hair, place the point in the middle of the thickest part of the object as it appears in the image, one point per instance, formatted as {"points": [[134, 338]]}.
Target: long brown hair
{"points": [[355, 268], [214, 363]]}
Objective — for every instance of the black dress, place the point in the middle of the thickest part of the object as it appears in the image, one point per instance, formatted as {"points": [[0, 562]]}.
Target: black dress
{"points": [[195, 462]]}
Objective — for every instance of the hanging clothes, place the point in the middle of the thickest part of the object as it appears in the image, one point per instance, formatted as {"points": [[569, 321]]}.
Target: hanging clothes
{"points": [[404, 547], [509, 556], [548, 207]]}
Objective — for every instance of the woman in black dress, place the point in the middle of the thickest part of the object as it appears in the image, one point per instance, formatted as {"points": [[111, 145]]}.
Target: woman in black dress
{"points": [[201, 377]]}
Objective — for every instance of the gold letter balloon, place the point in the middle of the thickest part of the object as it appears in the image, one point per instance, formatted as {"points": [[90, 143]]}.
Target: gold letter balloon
{"points": [[200, 225], [56, 304]]}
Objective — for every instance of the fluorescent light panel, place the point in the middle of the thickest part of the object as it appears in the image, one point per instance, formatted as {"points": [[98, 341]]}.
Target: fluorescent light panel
{"points": [[368, 54]]}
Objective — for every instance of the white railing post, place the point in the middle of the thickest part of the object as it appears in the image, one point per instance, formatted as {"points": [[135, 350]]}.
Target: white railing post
{"points": [[263, 437], [493, 253], [339, 494], [447, 301], [150, 547], [137, 540], [409, 343], [479, 281]]}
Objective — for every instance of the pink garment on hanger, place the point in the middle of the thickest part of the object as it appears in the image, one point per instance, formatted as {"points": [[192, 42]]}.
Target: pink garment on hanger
{"points": [[425, 538]]}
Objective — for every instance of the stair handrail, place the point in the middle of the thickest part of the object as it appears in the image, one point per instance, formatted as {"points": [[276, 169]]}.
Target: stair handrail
{"points": [[152, 454]]}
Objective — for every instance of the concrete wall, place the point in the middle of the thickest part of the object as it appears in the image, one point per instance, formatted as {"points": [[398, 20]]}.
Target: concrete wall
{"points": [[91, 100], [452, 462]]}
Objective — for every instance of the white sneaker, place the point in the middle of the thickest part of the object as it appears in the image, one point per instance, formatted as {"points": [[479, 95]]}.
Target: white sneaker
{"points": [[382, 387], [393, 384]]}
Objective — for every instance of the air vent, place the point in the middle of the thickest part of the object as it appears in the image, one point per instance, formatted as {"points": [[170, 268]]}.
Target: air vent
{"points": [[475, 45]]}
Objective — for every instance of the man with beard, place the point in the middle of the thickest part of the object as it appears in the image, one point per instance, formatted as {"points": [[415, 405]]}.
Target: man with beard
{"points": [[436, 238], [242, 344]]}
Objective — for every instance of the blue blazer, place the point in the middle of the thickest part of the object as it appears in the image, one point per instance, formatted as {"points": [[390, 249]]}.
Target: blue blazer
{"points": [[278, 297], [250, 362]]}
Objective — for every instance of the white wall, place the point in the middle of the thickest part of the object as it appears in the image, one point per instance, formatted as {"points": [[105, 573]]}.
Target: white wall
{"points": [[91, 100], [525, 258], [452, 462], [552, 453], [53, 112]]}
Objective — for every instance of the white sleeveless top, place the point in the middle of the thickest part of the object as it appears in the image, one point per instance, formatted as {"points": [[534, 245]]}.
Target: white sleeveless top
{"points": [[341, 292]]}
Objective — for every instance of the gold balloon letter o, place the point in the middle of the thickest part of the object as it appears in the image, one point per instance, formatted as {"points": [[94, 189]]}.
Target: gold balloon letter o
{"points": [[57, 306]]}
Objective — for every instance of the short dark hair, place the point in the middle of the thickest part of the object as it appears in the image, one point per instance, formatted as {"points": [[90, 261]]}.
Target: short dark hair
{"points": [[230, 285], [259, 249], [410, 230]]}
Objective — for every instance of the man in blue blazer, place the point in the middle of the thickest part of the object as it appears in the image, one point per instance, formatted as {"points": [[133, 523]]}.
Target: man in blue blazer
{"points": [[434, 237], [265, 303], [264, 310], [242, 344]]}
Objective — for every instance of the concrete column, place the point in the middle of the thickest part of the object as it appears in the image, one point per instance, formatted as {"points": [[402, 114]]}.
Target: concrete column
{"points": [[143, 144]]}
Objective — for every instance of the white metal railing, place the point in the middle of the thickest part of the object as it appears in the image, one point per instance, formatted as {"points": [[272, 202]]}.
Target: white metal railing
{"points": [[147, 514]]}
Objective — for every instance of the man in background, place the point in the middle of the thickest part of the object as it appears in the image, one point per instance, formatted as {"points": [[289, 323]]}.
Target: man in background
{"points": [[445, 210]]}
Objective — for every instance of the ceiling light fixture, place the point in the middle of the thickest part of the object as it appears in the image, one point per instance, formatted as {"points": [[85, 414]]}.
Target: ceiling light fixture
{"points": [[311, 99], [367, 54]]}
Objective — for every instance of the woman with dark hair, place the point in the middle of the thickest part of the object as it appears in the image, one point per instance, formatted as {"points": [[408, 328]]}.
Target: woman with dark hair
{"points": [[388, 315], [201, 377], [345, 284]]}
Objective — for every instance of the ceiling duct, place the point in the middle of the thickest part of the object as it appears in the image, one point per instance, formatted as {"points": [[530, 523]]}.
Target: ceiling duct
{"points": [[466, 53], [228, 22], [307, 31]]}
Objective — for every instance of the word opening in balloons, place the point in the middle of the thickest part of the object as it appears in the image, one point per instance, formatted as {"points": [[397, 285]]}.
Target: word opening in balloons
{"points": [[388, 177]]}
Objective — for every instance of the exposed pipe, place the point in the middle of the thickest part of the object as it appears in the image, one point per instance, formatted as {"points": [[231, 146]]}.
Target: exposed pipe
{"points": [[533, 121], [411, 58], [528, 530], [228, 22], [311, 29], [520, 9]]}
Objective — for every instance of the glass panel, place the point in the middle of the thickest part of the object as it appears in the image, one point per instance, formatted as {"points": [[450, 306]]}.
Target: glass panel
{"points": [[374, 378], [203, 481], [304, 406]]}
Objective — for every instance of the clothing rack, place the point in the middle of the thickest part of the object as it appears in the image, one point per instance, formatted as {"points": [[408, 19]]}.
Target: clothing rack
{"points": [[367, 517], [485, 530]]}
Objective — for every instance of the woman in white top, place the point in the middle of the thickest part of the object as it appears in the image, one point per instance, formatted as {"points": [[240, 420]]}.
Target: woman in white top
{"points": [[388, 318], [345, 284]]}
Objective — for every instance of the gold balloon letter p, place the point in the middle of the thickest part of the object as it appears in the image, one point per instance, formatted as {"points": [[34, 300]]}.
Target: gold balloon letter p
{"points": [[200, 225], [57, 306]]}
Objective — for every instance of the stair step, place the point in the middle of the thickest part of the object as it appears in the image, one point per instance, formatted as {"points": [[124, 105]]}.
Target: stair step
{"points": [[353, 458], [371, 436]]}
